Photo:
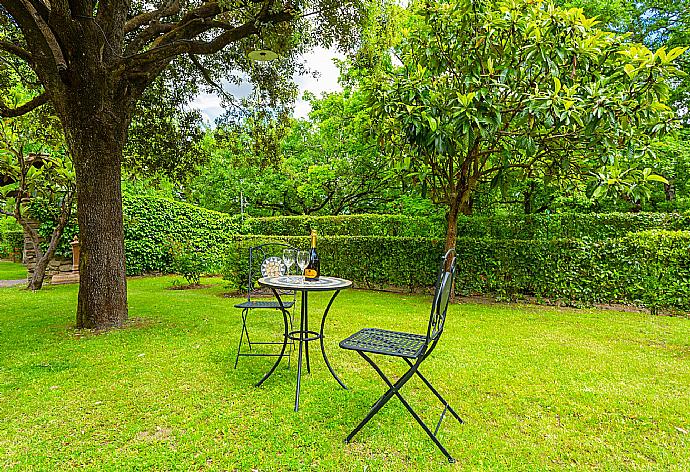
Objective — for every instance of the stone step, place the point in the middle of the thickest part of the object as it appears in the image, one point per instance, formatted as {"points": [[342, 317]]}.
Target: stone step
{"points": [[65, 278]]}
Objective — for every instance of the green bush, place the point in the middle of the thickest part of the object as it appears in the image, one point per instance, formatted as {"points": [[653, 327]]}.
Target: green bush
{"points": [[47, 215], [597, 226], [11, 243], [639, 258], [370, 261], [650, 268], [152, 223], [344, 225], [188, 261]]}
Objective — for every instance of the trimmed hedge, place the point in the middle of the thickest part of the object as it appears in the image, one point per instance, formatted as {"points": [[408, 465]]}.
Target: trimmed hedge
{"points": [[370, 261], [605, 258], [153, 223], [344, 225], [597, 226], [650, 268], [10, 241]]}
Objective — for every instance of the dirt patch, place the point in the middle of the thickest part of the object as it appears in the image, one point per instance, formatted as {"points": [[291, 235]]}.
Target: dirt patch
{"points": [[189, 287], [131, 323], [160, 434]]}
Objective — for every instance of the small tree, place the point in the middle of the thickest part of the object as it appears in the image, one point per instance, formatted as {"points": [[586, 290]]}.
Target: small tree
{"points": [[35, 166], [495, 90]]}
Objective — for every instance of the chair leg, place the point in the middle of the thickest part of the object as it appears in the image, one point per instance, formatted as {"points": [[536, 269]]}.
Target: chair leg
{"points": [[395, 389], [392, 390], [246, 330], [242, 331], [438, 395]]}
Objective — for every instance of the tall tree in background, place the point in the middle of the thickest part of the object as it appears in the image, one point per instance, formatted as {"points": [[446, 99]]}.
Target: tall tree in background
{"points": [[94, 60], [323, 165], [655, 23], [35, 168], [490, 90]]}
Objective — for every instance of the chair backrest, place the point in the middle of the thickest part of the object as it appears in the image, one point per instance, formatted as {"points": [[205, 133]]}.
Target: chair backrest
{"points": [[442, 292], [265, 260]]}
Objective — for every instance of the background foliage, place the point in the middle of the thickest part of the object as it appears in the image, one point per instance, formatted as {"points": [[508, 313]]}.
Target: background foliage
{"points": [[642, 259]]}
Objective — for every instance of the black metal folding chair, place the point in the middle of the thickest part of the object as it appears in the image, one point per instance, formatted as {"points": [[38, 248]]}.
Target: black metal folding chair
{"points": [[412, 348], [265, 260]]}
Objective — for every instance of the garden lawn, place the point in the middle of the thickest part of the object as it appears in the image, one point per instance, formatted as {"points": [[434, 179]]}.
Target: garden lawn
{"points": [[11, 271], [538, 388]]}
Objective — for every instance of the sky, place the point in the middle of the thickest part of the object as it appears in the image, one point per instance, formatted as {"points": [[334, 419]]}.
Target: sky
{"points": [[319, 59]]}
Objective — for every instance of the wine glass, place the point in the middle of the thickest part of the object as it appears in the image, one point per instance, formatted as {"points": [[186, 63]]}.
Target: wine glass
{"points": [[289, 259], [303, 261]]}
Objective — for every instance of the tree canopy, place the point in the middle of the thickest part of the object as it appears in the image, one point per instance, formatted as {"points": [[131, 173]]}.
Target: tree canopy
{"points": [[486, 91], [93, 61]]}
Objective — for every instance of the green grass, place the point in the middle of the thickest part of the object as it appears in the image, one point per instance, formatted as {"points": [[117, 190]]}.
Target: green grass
{"points": [[539, 388], [12, 271]]}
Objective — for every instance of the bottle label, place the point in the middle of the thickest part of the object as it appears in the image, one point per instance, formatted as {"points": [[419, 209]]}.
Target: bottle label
{"points": [[310, 273]]}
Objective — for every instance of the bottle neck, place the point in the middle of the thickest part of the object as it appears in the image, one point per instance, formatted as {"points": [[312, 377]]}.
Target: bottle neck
{"points": [[313, 240]]}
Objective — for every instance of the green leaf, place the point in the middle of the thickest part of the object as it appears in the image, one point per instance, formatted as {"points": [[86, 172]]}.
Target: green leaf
{"points": [[657, 178], [630, 70]]}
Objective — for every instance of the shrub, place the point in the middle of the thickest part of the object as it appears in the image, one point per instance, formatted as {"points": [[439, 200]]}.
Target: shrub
{"points": [[152, 223], [597, 226], [648, 268], [11, 243], [370, 261], [188, 261], [344, 225]]}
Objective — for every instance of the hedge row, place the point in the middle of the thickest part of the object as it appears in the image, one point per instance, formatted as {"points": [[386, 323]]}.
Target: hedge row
{"points": [[11, 242], [370, 261], [648, 268], [152, 224], [344, 225], [595, 226]]}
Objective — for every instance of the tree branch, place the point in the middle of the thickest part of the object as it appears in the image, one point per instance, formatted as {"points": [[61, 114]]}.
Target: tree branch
{"points": [[147, 34], [17, 51], [32, 104], [180, 39], [169, 9]]}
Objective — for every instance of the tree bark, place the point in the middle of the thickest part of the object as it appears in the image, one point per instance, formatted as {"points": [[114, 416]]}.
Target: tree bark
{"points": [[452, 229], [97, 144], [37, 279]]}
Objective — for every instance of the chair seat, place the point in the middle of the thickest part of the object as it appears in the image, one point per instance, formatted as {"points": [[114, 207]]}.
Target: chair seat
{"points": [[263, 304], [381, 341]]}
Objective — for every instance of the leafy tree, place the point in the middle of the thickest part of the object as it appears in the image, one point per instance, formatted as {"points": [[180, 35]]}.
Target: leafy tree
{"points": [[324, 165], [494, 90], [655, 23], [164, 138], [94, 61], [33, 167]]}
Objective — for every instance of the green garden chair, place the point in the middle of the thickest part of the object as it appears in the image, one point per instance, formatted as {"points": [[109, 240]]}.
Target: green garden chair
{"points": [[413, 349], [265, 261]]}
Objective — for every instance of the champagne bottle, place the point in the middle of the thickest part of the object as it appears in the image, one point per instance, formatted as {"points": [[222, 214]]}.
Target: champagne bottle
{"points": [[313, 270]]}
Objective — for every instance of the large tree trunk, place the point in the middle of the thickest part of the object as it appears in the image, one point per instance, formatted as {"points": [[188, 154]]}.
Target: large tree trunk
{"points": [[97, 153]]}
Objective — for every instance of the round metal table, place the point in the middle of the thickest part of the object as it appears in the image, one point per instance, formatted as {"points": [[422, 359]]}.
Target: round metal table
{"points": [[304, 335]]}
